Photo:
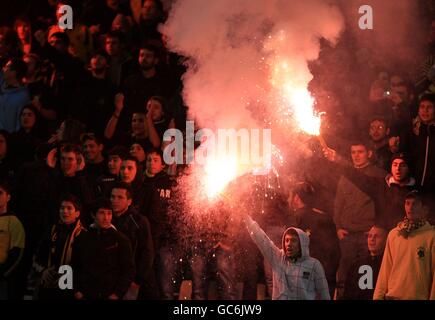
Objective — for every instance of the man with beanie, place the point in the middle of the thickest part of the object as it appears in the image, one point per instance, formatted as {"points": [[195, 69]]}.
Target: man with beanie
{"points": [[320, 227], [296, 275], [408, 265], [102, 259]]}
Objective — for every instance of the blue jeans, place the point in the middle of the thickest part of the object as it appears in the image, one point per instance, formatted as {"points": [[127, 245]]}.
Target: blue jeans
{"points": [[223, 266]]}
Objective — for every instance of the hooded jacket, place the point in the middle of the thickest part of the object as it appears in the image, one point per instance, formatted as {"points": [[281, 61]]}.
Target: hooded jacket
{"points": [[302, 279]]}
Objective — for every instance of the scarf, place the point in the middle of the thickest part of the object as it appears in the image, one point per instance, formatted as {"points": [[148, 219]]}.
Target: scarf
{"points": [[407, 226]]}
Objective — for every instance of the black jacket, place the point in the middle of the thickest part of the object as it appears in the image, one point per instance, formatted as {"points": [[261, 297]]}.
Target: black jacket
{"points": [[78, 186], [156, 197], [137, 229], [324, 245], [103, 264], [352, 291], [421, 148]]}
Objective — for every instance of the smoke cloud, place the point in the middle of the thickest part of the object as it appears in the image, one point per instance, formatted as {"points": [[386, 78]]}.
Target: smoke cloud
{"points": [[238, 49]]}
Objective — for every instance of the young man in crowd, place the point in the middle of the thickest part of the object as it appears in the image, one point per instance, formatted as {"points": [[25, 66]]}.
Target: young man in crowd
{"points": [[111, 174], [296, 275], [408, 268], [102, 259], [419, 143], [131, 173], [12, 240], [387, 193], [139, 87], [379, 133], [137, 228], [353, 290], [55, 249], [319, 226], [157, 194], [354, 211], [94, 158], [69, 179]]}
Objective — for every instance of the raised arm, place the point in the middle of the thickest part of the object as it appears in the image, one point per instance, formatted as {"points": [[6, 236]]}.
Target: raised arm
{"points": [[113, 121], [270, 252]]}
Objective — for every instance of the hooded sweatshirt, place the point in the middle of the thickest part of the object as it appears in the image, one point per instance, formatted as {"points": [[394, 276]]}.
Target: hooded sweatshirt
{"points": [[301, 279], [408, 266]]}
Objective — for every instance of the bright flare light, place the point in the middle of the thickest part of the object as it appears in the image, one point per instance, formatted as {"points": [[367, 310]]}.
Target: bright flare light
{"points": [[290, 78], [304, 114], [219, 172]]}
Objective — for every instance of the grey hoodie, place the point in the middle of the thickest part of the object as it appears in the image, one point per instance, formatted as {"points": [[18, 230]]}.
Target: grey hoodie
{"points": [[303, 279]]}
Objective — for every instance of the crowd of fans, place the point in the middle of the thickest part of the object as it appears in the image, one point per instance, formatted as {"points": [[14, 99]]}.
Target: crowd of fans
{"points": [[83, 181]]}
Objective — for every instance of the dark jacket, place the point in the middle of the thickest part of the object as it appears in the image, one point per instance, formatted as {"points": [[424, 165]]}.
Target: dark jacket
{"points": [[103, 264], [55, 248], [156, 199], [104, 185], [387, 195], [78, 186], [419, 143], [137, 229], [352, 291], [324, 245]]}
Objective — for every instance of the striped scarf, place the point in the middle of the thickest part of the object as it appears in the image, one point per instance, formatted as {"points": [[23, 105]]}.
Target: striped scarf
{"points": [[67, 248]]}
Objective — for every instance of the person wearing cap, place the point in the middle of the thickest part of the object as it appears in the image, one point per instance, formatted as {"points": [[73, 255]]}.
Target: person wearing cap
{"points": [[296, 275], [387, 193], [398, 183], [408, 265], [102, 259], [320, 227]]}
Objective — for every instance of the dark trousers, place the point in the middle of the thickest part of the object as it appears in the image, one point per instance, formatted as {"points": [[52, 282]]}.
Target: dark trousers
{"points": [[223, 265]]}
